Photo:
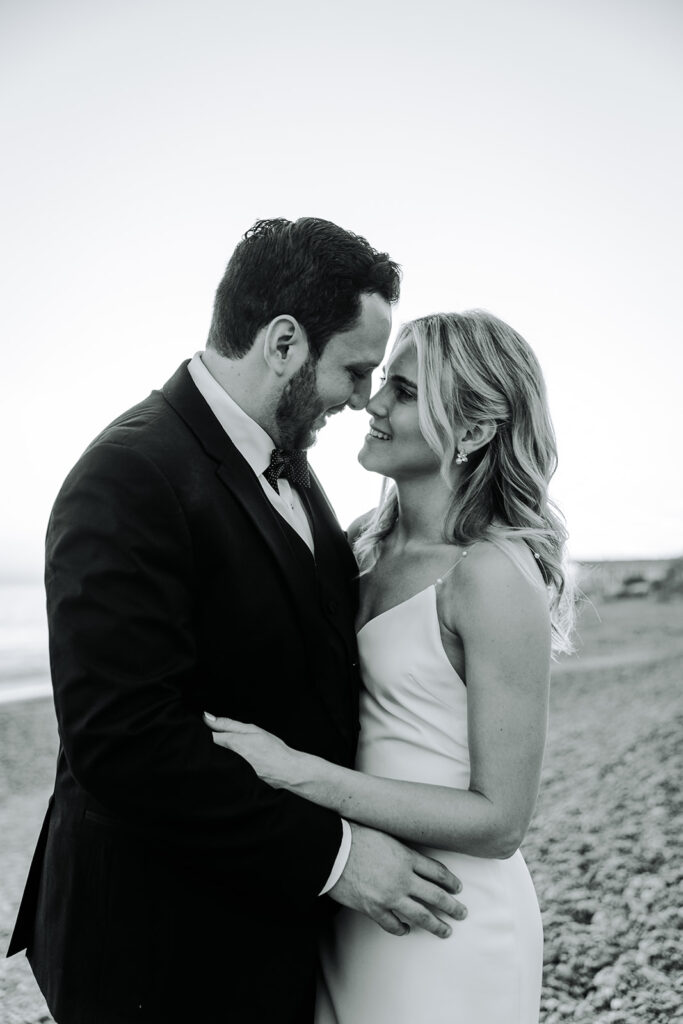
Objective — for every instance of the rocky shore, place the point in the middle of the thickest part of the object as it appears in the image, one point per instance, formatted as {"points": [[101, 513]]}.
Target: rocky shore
{"points": [[604, 848]]}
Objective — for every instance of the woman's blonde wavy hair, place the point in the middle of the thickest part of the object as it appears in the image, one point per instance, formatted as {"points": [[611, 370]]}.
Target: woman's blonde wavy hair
{"points": [[473, 367]]}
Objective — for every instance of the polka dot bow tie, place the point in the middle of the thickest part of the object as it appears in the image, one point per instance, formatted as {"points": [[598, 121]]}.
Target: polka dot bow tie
{"points": [[292, 465]]}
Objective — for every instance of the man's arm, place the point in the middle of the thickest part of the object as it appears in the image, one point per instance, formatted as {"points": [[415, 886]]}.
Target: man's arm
{"points": [[121, 584]]}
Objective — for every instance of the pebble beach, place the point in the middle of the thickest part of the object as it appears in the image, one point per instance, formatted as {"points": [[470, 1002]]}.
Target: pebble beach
{"points": [[604, 847]]}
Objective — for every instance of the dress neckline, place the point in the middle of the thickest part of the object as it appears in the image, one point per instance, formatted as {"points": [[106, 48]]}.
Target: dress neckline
{"points": [[380, 615], [434, 626], [407, 600]]}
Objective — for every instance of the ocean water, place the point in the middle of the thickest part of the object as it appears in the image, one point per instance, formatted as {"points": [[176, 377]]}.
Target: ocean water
{"points": [[24, 662]]}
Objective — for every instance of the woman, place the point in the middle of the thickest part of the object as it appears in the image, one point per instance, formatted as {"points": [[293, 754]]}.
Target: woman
{"points": [[463, 598]]}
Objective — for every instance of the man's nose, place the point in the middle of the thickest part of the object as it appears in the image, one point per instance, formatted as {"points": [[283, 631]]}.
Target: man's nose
{"points": [[360, 396]]}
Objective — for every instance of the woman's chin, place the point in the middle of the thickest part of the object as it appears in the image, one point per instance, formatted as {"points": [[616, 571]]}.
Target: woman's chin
{"points": [[369, 460]]}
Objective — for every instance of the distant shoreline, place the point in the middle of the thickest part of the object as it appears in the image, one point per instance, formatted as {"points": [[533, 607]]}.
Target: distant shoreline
{"points": [[33, 578], [35, 687]]}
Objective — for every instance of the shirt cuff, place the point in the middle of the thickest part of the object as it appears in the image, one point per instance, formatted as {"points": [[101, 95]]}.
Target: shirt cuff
{"points": [[341, 859]]}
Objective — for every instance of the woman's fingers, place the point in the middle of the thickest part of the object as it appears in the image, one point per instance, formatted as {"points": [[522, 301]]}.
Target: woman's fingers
{"points": [[226, 724], [225, 739]]}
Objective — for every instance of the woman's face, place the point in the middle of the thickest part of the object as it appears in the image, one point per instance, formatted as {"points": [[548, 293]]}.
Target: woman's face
{"points": [[394, 445]]}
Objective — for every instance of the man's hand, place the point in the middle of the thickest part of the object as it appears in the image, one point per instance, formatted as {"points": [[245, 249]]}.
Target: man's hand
{"points": [[396, 886]]}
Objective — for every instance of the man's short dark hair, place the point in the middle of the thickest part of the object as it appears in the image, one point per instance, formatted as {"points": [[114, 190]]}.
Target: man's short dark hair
{"points": [[311, 269]]}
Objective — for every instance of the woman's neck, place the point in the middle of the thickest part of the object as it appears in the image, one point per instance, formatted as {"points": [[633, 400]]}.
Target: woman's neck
{"points": [[422, 510]]}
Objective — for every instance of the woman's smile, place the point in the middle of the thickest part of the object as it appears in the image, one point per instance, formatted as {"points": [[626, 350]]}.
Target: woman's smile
{"points": [[377, 434]]}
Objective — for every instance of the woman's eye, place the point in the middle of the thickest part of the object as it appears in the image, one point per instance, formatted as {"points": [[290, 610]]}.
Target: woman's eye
{"points": [[404, 395]]}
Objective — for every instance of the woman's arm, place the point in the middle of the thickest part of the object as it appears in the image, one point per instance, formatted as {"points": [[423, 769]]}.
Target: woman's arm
{"points": [[504, 625]]}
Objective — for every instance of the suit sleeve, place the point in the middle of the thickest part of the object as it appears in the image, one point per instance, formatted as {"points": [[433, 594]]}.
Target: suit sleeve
{"points": [[121, 593]]}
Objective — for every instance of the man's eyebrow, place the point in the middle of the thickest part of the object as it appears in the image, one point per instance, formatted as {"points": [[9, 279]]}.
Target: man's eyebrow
{"points": [[362, 367]]}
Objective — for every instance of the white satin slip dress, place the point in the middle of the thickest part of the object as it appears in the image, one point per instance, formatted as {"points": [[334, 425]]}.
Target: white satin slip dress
{"points": [[414, 727]]}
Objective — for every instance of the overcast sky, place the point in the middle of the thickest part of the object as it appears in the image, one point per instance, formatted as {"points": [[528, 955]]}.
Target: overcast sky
{"points": [[524, 157]]}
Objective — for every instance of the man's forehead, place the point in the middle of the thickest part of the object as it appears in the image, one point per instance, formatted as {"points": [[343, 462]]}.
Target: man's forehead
{"points": [[376, 311], [368, 337], [359, 349]]}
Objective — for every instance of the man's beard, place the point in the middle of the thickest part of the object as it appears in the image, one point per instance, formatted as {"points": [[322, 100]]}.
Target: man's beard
{"points": [[299, 407]]}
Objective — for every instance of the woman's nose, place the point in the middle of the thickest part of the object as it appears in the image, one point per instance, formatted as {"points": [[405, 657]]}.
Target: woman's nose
{"points": [[377, 406]]}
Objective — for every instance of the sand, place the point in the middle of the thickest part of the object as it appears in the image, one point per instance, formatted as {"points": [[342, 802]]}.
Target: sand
{"points": [[604, 847]]}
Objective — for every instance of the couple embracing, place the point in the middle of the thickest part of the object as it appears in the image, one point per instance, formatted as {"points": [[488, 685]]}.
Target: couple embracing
{"points": [[295, 767]]}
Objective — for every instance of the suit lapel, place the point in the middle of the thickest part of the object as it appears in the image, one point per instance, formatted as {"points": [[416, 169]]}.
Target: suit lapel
{"points": [[236, 475], [337, 575], [333, 556]]}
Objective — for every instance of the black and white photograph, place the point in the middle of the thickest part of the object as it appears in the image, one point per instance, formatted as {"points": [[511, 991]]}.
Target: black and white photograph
{"points": [[341, 546]]}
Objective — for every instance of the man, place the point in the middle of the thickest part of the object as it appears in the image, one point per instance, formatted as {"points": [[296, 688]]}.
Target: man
{"points": [[193, 564]]}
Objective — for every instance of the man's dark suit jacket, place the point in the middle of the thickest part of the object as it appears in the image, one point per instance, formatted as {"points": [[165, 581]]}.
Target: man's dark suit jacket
{"points": [[170, 883]]}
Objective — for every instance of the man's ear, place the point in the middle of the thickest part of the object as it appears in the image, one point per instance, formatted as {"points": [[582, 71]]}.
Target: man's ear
{"points": [[285, 346], [477, 436]]}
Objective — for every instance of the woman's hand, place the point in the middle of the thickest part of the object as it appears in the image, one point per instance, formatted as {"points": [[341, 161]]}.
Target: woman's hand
{"points": [[271, 758]]}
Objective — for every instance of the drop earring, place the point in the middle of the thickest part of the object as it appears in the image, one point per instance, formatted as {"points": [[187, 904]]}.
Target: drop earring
{"points": [[461, 456]]}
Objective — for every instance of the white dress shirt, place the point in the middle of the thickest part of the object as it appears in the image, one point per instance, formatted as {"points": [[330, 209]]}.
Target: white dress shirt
{"points": [[255, 445]]}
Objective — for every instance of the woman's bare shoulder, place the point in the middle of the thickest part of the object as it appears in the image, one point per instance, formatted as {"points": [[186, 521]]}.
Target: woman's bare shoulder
{"points": [[492, 562], [496, 581]]}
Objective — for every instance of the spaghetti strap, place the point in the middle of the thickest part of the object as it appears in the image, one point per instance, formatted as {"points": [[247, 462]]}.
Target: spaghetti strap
{"points": [[463, 554]]}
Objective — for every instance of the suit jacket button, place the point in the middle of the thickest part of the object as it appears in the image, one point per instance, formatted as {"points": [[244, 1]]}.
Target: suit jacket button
{"points": [[332, 607]]}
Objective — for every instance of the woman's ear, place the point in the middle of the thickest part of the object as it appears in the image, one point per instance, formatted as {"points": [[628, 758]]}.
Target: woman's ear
{"points": [[285, 346], [477, 436]]}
